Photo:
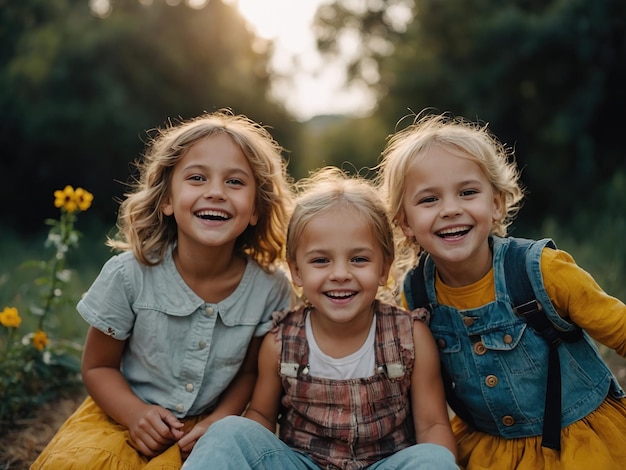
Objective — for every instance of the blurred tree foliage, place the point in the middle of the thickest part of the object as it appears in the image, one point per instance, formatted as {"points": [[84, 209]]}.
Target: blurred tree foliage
{"points": [[548, 77], [353, 144], [79, 92]]}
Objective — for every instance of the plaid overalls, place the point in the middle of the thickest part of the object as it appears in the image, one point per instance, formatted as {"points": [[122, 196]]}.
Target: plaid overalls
{"points": [[349, 423]]}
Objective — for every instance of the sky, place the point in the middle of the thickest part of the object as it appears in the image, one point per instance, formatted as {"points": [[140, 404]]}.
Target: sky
{"points": [[318, 86], [315, 86]]}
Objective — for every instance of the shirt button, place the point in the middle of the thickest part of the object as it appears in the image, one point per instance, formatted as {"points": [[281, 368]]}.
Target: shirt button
{"points": [[202, 344], [479, 348], [469, 321], [189, 387], [180, 408], [491, 381], [508, 420], [209, 311], [508, 339]]}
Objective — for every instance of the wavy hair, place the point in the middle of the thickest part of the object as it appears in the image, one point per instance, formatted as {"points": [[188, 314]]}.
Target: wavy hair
{"points": [[462, 138], [143, 228]]}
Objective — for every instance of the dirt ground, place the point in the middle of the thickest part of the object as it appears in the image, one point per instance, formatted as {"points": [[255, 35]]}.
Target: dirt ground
{"points": [[19, 448]]}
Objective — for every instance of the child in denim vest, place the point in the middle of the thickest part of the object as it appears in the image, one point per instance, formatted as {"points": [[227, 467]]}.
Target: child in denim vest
{"points": [[352, 381], [176, 320], [453, 189]]}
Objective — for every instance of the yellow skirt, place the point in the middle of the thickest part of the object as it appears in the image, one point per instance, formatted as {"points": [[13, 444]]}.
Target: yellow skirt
{"points": [[598, 441], [89, 439]]}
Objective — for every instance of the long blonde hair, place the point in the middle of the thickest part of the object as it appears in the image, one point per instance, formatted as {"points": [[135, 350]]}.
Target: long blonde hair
{"points": [[143, 228]]}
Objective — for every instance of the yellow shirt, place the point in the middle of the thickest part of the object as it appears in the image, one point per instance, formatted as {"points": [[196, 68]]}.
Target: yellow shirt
{"points": [[576, 296]]}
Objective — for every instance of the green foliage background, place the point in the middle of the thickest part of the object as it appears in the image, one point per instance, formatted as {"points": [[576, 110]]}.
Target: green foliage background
{"points": [[79, 95]]}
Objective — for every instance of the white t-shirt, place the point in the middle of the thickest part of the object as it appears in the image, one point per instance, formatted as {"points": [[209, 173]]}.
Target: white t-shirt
{"points": [[359, 364]]}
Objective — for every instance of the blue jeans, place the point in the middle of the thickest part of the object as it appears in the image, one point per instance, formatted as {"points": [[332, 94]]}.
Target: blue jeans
{"points": [[238, 443]]}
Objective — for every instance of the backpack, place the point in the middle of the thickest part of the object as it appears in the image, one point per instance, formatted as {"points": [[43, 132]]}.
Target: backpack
{"points": [[526, 306]]}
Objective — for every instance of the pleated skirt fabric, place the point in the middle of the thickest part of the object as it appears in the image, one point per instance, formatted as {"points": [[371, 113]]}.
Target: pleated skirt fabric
{"points": [[597, 441], [89, 439]]}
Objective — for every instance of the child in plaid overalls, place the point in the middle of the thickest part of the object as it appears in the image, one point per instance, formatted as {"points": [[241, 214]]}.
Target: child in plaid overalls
{"points": [[352, 381]]}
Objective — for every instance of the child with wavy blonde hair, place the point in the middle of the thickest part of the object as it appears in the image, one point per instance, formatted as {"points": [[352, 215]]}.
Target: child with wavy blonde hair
{"points": [[452, 190], [176, 319]]}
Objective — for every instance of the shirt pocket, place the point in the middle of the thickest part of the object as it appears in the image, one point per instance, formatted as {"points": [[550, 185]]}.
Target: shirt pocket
{"points": [[230, 344], [160, 338], [453, 360], [517, 346]]}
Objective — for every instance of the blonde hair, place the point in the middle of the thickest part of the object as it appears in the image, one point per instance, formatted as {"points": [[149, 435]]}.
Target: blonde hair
{"points": [[330, 188], [143, 228], [460, 137]]}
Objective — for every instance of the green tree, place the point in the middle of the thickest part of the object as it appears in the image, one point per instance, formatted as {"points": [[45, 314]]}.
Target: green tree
{"points": [[353, 144], [546, 75], [80, 91]]}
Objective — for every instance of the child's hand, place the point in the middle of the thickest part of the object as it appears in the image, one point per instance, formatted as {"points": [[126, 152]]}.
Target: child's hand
{"points": [[154, 429], [187, 442]]}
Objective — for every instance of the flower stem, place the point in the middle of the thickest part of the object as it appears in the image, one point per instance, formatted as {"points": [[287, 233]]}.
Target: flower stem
{"points": [[56, 264]]}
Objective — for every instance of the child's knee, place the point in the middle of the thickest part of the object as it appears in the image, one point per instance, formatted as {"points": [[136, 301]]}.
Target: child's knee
{"points": [[428, 455]]}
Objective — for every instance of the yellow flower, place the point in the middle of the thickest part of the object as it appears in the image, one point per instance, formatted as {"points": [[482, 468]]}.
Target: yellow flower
{"points": [[65, 199], [83, 198], [10, 318], [71, 200], [40, 339]]}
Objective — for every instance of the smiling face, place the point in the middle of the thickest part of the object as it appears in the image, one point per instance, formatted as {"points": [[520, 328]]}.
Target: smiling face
{"points": [[212, 194], [339, 265], [449, 207]]}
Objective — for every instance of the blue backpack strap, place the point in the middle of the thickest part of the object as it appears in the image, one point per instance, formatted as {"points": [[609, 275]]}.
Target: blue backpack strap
{"points": [[416, 298], [526, 306], [523, 298]]}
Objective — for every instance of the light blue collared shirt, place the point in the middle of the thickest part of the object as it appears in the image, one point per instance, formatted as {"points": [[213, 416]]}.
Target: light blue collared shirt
{"points": [[181, 351]]}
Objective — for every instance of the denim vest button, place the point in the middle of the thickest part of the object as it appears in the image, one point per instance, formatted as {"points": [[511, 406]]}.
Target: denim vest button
{"points": [[491, 381], [479, 348], [468, 321], [508, 339], [508, 420], [441, 343]]}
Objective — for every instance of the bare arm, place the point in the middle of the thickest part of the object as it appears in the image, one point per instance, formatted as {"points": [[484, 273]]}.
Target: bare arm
{"points": [[233, 400], [430, 413], [269, 388], [152, 427]]}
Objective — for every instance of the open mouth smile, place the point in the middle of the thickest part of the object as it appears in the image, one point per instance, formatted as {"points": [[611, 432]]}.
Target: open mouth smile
{"points": [[213, 215], [454, 232], [340, 295]]}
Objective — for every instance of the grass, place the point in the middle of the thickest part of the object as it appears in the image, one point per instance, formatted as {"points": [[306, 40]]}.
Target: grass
{"points": [[17, 286]]}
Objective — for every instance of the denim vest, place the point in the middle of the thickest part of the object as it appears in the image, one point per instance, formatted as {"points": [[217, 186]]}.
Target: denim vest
{"points": [[498, 365]]}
